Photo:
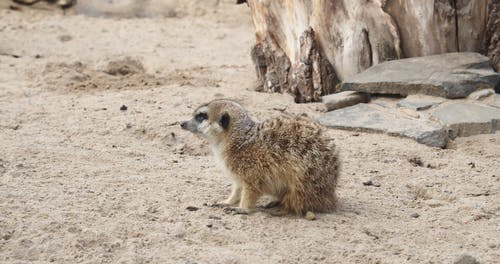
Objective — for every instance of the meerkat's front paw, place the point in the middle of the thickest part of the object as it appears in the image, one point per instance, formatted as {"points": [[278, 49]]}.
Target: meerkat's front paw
{"points": [[236, 210], [220, 205]]}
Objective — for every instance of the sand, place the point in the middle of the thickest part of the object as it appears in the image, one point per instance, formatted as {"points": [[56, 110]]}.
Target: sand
{"points": [[82, 179]]}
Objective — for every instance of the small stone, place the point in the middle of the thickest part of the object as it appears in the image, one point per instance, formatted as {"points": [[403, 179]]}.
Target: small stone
{"points": [[371, 183], [123, 108], [368, 183], [210, 225], [466, 259], [65, 38], [416, 161], [192, 208], [128, 126], [214, 217], [310, 216], [415, 215]]}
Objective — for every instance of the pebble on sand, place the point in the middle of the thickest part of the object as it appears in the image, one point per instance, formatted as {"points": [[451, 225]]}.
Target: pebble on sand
{"points": [[310, 216]]}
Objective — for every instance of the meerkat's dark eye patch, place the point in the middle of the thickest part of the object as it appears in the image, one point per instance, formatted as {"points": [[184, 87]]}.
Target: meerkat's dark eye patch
{"points": [[224, 120], [200, 117]]}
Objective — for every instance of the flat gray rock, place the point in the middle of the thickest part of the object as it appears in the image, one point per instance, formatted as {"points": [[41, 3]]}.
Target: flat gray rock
{"points": [[369, 117], [463, 119], [450, 75], [344, 99], [419, 102]]}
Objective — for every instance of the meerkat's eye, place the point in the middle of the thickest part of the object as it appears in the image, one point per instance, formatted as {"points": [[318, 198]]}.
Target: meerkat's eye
{"points": [[201, 116], [224, 120]]}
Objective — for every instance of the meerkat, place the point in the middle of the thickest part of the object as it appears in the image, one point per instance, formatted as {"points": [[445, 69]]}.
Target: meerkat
{"points": [[286, 157]]}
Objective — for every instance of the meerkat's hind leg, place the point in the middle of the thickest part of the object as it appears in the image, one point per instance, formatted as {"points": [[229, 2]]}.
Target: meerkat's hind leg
{"points": [[248, 198], [272, 204], [274, 208], [275, 211]]}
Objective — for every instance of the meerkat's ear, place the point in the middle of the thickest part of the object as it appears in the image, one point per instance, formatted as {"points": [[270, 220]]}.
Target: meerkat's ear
{"points": [[224, 120]]}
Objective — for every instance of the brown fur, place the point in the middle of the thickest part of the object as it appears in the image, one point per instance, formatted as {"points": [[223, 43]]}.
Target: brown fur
{"points": [[286, 157]]}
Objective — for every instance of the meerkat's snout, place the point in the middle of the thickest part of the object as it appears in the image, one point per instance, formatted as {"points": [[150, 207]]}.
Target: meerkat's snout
{"points": [[197, 123], [207, 124]]}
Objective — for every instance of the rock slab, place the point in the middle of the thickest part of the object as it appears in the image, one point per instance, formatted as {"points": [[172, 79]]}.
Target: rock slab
{"points": [[450, 75], [369, 117], [344, 99], [419, 102], [463, 119]]}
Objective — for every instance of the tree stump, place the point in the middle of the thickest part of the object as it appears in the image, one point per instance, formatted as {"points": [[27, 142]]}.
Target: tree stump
{"points": [[307, 47]]}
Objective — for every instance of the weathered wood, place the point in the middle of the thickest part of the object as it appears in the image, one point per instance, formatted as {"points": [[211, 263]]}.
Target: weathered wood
{"points": [[322, 42], [311, 77], [314, 75], [272, 66], [425, 27], [491, 42]]}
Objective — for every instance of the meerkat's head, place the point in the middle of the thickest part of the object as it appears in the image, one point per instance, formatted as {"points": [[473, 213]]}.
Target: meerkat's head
{"points": [[218, 119]]}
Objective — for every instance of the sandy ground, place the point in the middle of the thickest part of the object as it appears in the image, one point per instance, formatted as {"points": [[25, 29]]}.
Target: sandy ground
{"points": [[83, 181]]}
